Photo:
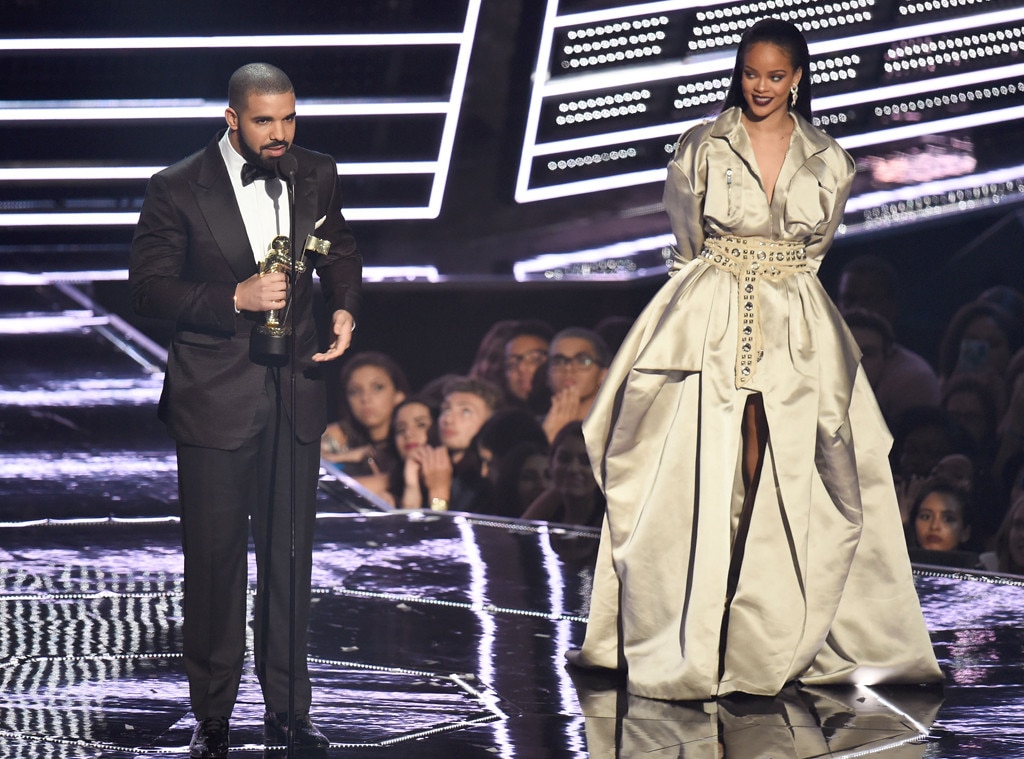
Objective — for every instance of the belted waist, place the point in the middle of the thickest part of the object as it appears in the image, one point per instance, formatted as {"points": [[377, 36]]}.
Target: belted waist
{"points": [[750, 259]]}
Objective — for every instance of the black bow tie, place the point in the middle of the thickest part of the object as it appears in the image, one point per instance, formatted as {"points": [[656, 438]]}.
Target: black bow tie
{"points": [[251, 172]]}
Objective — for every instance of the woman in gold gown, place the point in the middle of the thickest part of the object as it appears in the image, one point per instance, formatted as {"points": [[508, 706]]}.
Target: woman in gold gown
{"points": [[752, 536]]}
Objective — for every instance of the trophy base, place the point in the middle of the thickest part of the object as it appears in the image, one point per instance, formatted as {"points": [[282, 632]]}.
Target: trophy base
{"points": [[269, 349]]}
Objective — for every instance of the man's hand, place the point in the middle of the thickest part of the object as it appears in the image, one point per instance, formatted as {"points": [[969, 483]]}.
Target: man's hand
{"points": [[565, 408], [262, 292], [342, 326]]}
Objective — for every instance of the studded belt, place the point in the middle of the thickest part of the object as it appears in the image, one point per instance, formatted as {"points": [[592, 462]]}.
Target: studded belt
{"points": [[750, 259]]}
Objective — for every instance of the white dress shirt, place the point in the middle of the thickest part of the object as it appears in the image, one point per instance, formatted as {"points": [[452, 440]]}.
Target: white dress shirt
{"points": [[264, 203]]}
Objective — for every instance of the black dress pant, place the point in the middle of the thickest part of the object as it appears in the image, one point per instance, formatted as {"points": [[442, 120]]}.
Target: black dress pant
{"points": [[221, 493]]}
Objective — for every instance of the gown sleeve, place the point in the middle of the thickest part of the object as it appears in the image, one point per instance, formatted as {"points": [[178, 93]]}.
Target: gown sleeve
{"points": [[843, 168], [684, 195]]}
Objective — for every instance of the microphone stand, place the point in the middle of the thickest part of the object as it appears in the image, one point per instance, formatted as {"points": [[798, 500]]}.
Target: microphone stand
{"points": [[287, 166]]}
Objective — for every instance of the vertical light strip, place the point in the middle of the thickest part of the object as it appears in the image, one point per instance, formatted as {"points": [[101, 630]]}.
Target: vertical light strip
{"points": [[568, 698], [540, 80], [451, 121], [478, 582]]}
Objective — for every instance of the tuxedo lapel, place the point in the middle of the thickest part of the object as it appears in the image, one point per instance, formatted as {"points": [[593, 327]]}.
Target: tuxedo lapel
{"points": [[216, 200], [305, 203]]}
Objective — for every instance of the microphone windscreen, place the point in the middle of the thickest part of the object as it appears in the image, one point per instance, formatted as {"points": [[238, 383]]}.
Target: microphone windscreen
{"points": [[287, 165]]}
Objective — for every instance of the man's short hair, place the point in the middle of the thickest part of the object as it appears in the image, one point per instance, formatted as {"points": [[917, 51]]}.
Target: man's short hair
{"points": [[256, 79], [602, 355], [487, 391], [861, 317]]}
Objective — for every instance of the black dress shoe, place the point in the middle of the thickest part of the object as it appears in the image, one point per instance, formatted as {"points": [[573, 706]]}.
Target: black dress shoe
{"points": [[210, 739], [276, 726]]}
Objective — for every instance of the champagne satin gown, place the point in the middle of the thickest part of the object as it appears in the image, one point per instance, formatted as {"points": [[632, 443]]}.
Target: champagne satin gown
{"points": [[825, 592]]}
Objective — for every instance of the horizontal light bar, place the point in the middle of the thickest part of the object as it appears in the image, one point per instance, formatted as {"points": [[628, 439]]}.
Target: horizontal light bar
{"points": [[912, 89], [936, 187], [821, 104], [849, 142], [546, 261], [628, 76], [632, 11], [400, 273], [116, 110], [22, 325], [599, 184], [370, 274], [931, 127], [109, 173], [27, 279], [63, 44], [136, 109], [545, 85]]}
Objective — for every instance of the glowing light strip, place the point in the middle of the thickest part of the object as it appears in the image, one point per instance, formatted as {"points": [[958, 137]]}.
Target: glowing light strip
{"points": [[849, 142], [910, 89], [438, 168], [454, 107], [931, 127], [545, 85], [718, 62], [130, 218], [626, 249], [937, 187], [114, 110], [88, 173], [723, 61], [217, 42], [487, 644], [370, 274], [643, 9], [23, 279], [614, 182], [822, 104], [21, 325]]}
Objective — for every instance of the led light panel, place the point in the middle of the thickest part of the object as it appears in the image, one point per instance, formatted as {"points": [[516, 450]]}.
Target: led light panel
{"points": [[918, 92], [73, 161]]}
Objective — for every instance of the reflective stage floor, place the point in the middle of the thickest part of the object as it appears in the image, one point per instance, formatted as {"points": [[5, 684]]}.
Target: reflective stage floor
{"points": [[432, 635]]}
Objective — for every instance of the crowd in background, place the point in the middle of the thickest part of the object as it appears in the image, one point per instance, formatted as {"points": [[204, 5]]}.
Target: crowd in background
{"points": [[505, 438]]}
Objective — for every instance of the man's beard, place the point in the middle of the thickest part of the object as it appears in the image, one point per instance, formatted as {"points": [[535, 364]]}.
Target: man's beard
{"points": [[257, 159]]}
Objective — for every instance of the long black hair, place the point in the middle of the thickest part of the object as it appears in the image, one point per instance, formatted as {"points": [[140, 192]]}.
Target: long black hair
{"points": [[786, 37]]}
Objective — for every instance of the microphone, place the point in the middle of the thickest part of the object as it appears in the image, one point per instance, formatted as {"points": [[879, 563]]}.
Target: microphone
{"points": [[286, 167]]}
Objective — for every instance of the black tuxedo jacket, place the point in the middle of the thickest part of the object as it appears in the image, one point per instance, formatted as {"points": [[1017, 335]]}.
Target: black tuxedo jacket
{"points": [[189, 252]]}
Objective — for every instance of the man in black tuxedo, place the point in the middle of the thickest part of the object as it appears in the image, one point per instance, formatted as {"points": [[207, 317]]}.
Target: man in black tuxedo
{"points": [[194, 260]]}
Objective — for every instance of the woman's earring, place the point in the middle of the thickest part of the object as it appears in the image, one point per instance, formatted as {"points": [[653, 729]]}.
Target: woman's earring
{"points": [[793, 93]]}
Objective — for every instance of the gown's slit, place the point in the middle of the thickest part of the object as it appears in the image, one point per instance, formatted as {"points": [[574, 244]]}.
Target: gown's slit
{"points": [[754, 442]]}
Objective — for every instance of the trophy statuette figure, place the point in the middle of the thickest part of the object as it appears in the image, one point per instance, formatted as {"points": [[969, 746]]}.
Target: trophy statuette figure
{"points": [[270, 341]]}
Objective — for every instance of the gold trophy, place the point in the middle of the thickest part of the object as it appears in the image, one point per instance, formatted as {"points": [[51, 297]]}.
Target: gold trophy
{"points": [[270, 341]]}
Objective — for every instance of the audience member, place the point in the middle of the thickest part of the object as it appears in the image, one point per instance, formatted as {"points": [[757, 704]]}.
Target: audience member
{"points": [[980, 340], [922, 437], [577, 364], [433, 391], [500, 434], [526, 351], [941, 516], [969, 400], [613, 330], [522, 477], [904, 379], [467, 404], [1011, 430], [573, 497], [941, 520], [1008, 556], [489, 361], [372, 384], [415, 441]]}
